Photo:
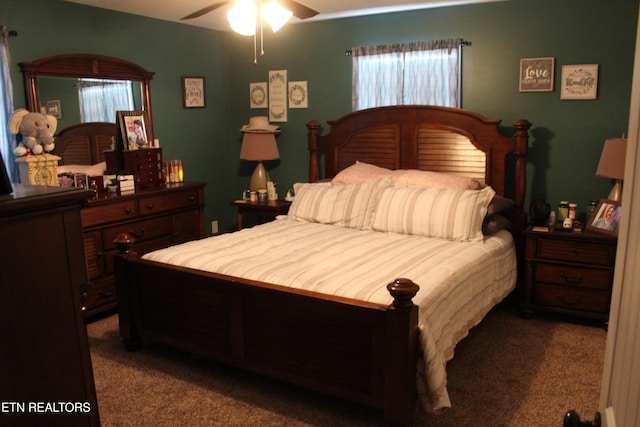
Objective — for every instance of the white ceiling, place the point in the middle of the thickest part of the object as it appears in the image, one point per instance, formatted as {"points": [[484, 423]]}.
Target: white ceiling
{"points": [[173, 10]]}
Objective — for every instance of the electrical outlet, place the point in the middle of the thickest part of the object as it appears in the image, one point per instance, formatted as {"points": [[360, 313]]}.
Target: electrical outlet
{"points": [[214, 227]]}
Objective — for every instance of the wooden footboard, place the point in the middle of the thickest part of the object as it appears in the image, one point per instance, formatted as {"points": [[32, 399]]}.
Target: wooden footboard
{"points": [[358, 351]]}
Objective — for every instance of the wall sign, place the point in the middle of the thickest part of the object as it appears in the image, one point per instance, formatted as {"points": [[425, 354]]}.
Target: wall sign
{"points": [[536, 74]]}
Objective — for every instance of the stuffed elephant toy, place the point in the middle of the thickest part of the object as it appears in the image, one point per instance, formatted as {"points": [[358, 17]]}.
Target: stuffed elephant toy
{"points": [[37, 131]]}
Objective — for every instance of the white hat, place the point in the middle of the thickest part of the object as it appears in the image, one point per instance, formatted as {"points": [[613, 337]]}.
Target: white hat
{"points": [[260, 124]]}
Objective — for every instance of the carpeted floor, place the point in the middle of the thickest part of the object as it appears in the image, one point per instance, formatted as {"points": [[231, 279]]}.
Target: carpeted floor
{"points": [[508, 372]]}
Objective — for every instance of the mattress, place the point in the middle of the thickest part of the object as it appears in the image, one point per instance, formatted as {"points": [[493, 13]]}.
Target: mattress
{"points": [[459, 281]]}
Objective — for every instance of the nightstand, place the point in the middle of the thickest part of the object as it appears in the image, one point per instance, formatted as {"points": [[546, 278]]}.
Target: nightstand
{"points": [[569, 272], [265, 211]]}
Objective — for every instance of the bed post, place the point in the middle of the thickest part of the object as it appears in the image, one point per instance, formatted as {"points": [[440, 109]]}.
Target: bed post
{"points": [[128, 333], [521, 148], [402, 353], [312, 142]]}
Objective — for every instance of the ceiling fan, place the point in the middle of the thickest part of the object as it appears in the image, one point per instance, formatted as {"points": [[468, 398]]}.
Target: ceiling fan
{"points": [[248, 16], [299, 10]]}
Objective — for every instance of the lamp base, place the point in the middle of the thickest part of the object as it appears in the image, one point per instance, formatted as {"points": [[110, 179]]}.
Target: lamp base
{"points": [[259, 178], [616, 191]]}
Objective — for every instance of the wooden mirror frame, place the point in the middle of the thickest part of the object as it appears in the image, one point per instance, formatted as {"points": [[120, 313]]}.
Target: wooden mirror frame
{"points": [[82, 65]]}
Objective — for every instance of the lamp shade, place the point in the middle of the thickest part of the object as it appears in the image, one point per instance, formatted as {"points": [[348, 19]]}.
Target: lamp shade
{"points": [[259, 146], [612, 159]]}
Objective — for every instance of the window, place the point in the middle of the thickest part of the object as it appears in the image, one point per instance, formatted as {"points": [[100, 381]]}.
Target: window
{"points": [[411, 73], [100, 99], [7, 140]]}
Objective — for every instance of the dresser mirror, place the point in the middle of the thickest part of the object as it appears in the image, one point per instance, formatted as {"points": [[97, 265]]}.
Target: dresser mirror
{"points": [[56, 78]]}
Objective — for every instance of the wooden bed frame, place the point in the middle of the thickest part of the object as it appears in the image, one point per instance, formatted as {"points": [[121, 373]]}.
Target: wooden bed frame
{"points": [[85, 143], [358, 351]]}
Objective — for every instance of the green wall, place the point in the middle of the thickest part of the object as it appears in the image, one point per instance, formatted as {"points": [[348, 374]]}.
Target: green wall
{"points": [[567, 136]]}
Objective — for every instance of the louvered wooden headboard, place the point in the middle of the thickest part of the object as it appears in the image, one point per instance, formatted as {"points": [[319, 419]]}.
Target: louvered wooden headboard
{"points": [[85, 143], [427, 138]]}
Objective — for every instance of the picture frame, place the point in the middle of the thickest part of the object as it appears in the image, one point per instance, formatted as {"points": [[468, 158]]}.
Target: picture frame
{"points": [[54, 108], [579, 81], [606, 217], [193, 92], [133, 131], [537, 74], [81, 180]]}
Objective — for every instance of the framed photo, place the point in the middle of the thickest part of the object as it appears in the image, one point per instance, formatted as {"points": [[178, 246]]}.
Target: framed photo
{"points": [[133, 133], [579, 81], [606, 217], [54, 109], [193, 92], [536, 74], [81, 180]]}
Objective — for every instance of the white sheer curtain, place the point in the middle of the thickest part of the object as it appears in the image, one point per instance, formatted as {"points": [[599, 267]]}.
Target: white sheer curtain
{"points": [[100, 99], [409, 73], [7, 140]]}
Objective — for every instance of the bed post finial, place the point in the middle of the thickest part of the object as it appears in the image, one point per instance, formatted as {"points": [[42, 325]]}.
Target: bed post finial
{"points": [[403, 290], [124, 242], [312, 144]]}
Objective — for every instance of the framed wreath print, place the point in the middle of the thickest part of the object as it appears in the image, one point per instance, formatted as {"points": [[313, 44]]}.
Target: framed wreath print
{"points": [[606, 217], [258, 95], [536, 74], [579, 81], [298, 95], [193, 92], [132, 130]]}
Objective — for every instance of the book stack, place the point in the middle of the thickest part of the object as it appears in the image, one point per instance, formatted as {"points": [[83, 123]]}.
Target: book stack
{"points": [[127, 183]]}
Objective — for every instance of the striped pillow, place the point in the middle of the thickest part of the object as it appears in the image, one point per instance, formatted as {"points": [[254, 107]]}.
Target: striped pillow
{"points": [[344, 205], [446, 214]]}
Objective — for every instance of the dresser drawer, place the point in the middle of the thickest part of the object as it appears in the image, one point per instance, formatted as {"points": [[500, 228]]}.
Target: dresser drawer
{"points": [[166, 202], [142, 230], [95, 215], [571, 299], [568, 275], [581, 252]]}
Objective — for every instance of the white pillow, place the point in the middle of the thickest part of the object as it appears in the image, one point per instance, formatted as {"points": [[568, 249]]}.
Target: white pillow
{"points": [[91, 170], [362, 172], [446, 214], [344, 205]]}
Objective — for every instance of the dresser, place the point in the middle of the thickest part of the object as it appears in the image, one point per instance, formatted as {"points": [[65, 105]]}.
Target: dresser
{"points": [[158, 217], [45, 358], [569, 273]]}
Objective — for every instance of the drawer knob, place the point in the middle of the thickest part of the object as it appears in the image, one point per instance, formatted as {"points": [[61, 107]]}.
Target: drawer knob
{"points": [[192, 198], [149, 206], [577, 279], [138, 234], [127, 211]]}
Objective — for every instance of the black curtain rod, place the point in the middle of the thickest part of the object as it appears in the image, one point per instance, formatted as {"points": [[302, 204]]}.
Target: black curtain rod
{"points": [[463, 44]]}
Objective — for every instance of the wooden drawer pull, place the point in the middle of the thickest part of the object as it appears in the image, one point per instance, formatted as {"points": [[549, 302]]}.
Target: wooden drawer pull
{"points": [[104, 294], [127, 211], [570, 301], [149, 206], [138, 234], [192, 198], [579, 277]]}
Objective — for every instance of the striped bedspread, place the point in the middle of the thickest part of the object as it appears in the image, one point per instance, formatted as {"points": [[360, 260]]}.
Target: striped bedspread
{"points": [[459, 281]]}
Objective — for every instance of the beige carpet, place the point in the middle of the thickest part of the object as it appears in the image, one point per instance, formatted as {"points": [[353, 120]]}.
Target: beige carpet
{"points": [[508, 372]]}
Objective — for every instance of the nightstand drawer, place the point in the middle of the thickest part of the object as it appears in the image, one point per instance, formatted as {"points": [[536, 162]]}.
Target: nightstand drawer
{"points": [[571, 299], [109, 213], [568, 275], [582, 252]]}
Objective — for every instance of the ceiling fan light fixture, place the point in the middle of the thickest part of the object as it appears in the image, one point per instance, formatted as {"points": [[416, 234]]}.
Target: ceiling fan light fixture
{"points": [[242, 17], [276, 15]]}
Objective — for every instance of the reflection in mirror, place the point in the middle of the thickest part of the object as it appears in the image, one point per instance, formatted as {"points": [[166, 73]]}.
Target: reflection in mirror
{"points": [[57, 78], [75, 97]]}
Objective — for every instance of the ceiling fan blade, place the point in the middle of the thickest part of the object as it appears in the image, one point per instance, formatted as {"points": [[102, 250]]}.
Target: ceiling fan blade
{"points": [[205, 10], [299, 10]]}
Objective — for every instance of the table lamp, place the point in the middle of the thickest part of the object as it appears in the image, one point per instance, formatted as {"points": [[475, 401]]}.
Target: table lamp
{"points": [[611, 164], [259, 144]]}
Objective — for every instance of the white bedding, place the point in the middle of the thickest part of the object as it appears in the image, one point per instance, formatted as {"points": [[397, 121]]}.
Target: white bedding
{"points": [[459, 281]]}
